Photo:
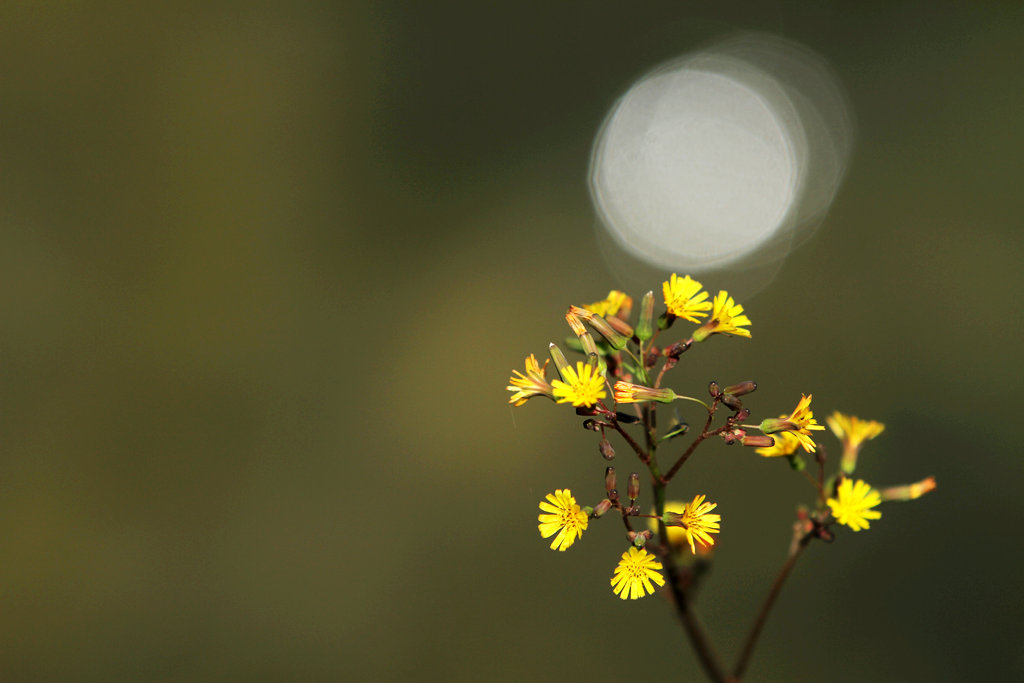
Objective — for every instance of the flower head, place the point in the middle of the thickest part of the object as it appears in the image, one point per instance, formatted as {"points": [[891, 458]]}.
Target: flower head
{"points": [[563, 517], [684, 298], [583, 386], [854, 503], [726, 318], [627, 392], [785, 444], [853, 432], [799, 423], [691, 523], [634, 573], [533, 383], [611, 305]]}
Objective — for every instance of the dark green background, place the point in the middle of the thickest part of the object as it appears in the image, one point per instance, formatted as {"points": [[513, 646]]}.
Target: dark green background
{"points": [[266, 270]]}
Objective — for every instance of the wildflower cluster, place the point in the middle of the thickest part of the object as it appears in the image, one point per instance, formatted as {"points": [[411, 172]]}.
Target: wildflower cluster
{"points": [[617, 387]]}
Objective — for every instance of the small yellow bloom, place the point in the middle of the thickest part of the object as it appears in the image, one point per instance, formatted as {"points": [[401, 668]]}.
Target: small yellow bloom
{"points": [[627, 392], [684, 298], [533, 383], [785, 444], [853, 506], [853, 432], [611, 305], [799, 423], [634, 573], [563, 517], [726, 318], [692, 523], [582, 387]]}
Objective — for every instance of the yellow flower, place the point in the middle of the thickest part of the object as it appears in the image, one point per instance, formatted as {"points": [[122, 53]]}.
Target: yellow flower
{"points": [[634, 574], [683, 300], [799, 423], [533, 383], [582, 387], [564, 518], [853, 432], [627, 392], [726, 318], [853, 507], [785, 444], [692, 523], [610, 306]]}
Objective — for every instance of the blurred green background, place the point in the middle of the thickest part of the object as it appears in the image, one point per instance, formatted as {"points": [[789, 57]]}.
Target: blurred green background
{"points": [[266, 271]]}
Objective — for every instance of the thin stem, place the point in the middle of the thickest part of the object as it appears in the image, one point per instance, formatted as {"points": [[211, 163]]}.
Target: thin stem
{"points": [[755, 631]]}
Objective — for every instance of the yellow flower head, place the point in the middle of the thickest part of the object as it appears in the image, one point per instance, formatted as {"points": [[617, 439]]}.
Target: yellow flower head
{"points": [[785, 444], [726, 318], [611, 305], [634, 573], [799, 423], [684, 298], [853, 432], [533, 383], [854, 503], [581, 387], [691, 523], [563, 517]]}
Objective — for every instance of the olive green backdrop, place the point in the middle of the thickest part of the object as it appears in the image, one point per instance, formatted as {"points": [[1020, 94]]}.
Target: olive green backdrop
{"points": [[266, 269]]}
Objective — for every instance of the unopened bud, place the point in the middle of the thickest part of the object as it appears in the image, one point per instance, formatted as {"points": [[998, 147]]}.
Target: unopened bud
{"points": [[639, 538], [677, 349], [714, 389], [731, 401], [620, 326], [610, 483], [741, 389], [602, 507], [617, 341], [758, 441], [645, 325], [591, 425], [633, 487], [559, 359], [742, 414], [910, 491], [607, 452]]}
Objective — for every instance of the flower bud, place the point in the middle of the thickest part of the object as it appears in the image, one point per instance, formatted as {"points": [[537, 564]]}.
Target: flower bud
{"points": [[714, 389], [645, 325], [602, 507], [620, 326], [610, 483], [758, 441], [607, 452], [559, 359], [741, 389], [910, 491], [591, 425], [616, 340], [731, 401], [633, 487], [677, 349]]}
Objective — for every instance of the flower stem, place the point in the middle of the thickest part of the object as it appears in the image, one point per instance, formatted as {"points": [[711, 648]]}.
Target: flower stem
{"points": [[743, 661]]}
